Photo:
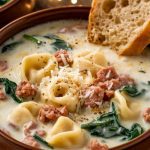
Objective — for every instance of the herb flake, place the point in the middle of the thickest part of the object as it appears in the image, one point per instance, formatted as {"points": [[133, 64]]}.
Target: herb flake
{"points": [[142, 71]]}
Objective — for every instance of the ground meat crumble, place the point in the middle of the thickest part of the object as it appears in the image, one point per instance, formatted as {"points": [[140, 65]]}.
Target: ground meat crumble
{"points": [[51, 113], [95, 145], [105, 84], [63, 58], [26, 89]]}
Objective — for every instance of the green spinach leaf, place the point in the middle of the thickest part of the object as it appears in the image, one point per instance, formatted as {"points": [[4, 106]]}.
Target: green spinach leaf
{"points": [[58, 43], [10, 89], [135, 131], [10, 46], [33, 39], [2, 2], [108, 125], [132, 91], [38, 138]]}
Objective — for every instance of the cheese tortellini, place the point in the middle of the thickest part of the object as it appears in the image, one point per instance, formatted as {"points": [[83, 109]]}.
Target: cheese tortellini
{"points": [[66, 134], [60, 91], [37, 66], [127, 108], [24, 113], [91, 61]]}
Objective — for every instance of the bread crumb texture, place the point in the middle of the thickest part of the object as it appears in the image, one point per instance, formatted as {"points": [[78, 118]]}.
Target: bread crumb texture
{"points": [[122, 24]]}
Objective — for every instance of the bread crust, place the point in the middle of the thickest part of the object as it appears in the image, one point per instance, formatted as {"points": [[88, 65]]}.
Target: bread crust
{"points": [[90, 24], [135, 46]]}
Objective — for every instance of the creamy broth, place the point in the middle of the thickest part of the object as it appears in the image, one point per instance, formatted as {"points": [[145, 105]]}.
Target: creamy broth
{"points": [[136, 66]]}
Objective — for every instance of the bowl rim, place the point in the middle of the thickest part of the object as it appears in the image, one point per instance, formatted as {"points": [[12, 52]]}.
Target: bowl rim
{"points": [[8, 5], [49, 10]]}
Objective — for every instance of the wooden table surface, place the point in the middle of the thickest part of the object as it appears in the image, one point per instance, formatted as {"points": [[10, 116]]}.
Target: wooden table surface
{"points": [[41, 4]]}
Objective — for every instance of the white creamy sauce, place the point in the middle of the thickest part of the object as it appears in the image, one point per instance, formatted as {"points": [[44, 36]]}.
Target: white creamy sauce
{"points": [[78, 39]]}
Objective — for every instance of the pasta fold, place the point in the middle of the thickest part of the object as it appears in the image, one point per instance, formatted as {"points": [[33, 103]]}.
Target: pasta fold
{"points": [[91, 61], [60, 91], [37, 66], [66, 134], [128, 109], [24, 113]]}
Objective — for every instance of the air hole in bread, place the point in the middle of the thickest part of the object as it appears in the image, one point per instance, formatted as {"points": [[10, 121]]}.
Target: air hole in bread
{"points": [[110, 16], [124, 3], [108, 5], [101, 37], [146, 0], [136, 11], [117, 20]]}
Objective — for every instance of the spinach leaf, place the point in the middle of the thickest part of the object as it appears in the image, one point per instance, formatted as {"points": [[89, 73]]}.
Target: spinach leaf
{"points": [[58, 43], [148, 82], [10, 89], [2, 2], [135, 131], [38, 138], [132, 91], [108, 125], [33, 39], [10, 46]]}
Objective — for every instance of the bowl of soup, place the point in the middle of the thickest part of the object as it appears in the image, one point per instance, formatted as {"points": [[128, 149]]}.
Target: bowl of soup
{"points": [[58, 91], [12, 9]]}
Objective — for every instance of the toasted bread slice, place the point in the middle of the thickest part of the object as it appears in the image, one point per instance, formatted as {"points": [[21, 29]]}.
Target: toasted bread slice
{"points": [[124, 25]]}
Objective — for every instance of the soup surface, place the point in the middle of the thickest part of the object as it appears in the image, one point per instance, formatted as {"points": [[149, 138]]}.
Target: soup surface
{"points": [[55, 85]]}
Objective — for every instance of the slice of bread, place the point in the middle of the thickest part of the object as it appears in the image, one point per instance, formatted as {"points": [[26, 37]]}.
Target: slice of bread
{"points": [[124, 25]]}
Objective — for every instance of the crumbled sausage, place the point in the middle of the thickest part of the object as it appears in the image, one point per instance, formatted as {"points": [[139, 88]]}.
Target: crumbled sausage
{"points": [[2, 95], [41, 133], [28, 127], [12, 125], [112, 84], [63, 58], [146, 115], [95, 145], [115, 84], [26, 89], [3, 65], [92, 96], [51, 113], [109, 81], [29, 140], [108, 94], [65, 30], [72, 29], [106, 74]]}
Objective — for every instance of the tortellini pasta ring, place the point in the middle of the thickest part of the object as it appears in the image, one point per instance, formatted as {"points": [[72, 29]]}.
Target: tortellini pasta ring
{"points": [[37, 66], [126, 107], [66, 134], [92, 61], [60, 91], [24, 113]]}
